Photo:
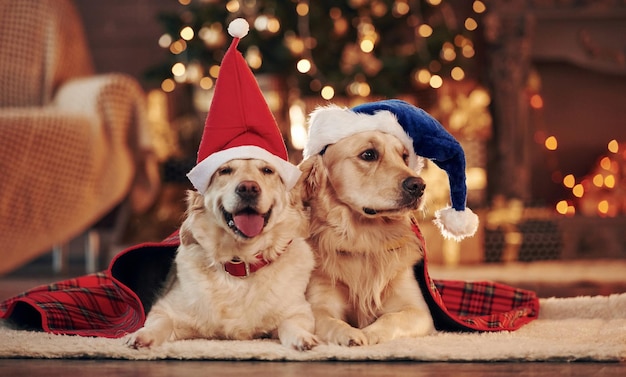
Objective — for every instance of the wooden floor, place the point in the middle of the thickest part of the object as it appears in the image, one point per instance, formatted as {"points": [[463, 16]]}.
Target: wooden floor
{"points": [[100, 368]]}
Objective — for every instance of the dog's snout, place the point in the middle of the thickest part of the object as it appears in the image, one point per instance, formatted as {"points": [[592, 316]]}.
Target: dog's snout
{"points": [[414, 186], [248, 190]]}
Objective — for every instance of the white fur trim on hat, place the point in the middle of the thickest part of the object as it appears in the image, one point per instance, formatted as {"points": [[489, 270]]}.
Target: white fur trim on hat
{"points": [[238, 28], [456, 224], [201, 174], [329, 124]]}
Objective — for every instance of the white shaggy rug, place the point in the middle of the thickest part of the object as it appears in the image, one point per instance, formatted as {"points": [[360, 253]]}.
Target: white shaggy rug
{"points": [[568, 329]]}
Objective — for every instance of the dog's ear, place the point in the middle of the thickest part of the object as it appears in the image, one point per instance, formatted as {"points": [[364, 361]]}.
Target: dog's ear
{"points": [[195, 202], [186, 236], [312, 179]]}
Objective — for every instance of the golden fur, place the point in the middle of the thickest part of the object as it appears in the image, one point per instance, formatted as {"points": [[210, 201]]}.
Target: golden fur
{"points": [[203, 300], [362, 195]]}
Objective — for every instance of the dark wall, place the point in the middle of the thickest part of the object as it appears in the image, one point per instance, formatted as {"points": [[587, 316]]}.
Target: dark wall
{"points": [[123, 34]]}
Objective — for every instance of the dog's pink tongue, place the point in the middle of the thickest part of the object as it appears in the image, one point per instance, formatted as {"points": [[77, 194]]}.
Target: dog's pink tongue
{"points": [[249, 224]]}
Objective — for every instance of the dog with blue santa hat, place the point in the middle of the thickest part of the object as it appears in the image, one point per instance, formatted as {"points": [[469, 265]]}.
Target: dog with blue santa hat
{"points": [[361, 182]]}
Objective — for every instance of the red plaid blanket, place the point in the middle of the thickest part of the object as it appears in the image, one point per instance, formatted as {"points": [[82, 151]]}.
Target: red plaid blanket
{"points": [[115, 302], [474, 306]]}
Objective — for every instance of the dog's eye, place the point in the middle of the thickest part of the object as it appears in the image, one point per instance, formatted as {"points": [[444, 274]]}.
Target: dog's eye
{"points": [[369, 155], [267, 170], [225, 171], [405, 157]]}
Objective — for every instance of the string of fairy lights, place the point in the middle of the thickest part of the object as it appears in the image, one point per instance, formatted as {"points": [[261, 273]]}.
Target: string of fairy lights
{"points": [[439, 47]]}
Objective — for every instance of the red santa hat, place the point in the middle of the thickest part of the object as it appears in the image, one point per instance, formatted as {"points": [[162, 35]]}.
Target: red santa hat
{"points": [[239, 124]]}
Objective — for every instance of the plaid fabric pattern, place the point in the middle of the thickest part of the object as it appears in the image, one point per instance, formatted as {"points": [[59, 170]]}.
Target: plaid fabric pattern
{"points": [[92, 305], [110, 304], [106, 304], [486, 305], [474, 306]]}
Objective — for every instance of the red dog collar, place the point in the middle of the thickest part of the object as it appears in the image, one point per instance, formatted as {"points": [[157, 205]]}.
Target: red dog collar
{"points": [[237, 267]]}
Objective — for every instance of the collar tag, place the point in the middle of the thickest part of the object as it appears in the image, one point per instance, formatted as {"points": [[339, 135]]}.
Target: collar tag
{"points": [[237, 267]]}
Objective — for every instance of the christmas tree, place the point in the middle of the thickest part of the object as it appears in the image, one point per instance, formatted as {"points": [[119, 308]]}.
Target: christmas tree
{"points": [[366, 48]]}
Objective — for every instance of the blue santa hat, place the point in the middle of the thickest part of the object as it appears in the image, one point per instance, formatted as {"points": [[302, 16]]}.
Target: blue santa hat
{"points": [[422, 135]]}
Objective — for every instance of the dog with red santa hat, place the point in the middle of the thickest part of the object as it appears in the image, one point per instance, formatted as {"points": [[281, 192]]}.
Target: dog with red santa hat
{"points": [[243, 265]]}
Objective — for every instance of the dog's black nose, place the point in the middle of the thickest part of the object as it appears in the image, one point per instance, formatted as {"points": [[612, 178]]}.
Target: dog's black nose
{"points": [[248, 190], [414, 186]]}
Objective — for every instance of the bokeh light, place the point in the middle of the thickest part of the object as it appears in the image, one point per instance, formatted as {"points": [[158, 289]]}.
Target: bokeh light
{"points": [[551, 143]]}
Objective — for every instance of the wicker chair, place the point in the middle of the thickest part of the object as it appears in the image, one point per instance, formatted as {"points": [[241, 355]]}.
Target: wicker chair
{"points": [[73, 144]]}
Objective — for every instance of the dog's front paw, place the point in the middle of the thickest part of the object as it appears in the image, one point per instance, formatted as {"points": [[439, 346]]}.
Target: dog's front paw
{"points": [[302, 342], [142, 338], [374, 337], [295, 335], [349, 337], [336, 331]]}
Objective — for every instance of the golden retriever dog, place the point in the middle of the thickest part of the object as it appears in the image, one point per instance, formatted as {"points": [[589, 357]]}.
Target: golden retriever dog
{"points": [[362, 195], [245, 224]]}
